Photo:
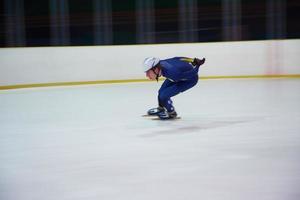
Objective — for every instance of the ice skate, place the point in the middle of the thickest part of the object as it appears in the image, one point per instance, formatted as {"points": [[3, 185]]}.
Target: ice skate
{"points": [[165, 115], [155, 111]]}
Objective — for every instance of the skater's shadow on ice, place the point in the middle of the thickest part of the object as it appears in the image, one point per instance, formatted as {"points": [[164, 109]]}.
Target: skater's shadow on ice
{"points": [[195, 126]]}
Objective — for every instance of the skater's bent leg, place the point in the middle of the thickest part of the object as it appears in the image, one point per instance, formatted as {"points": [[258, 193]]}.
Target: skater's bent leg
{"points": [[185, 85], [164, 97], [171, 89], [164, 88]]}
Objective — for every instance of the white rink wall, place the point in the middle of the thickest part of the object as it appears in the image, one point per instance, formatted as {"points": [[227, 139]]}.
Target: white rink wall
{"points": [[93, 63]]}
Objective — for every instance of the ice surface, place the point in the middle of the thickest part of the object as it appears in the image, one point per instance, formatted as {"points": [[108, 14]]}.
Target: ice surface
{"points": [[237, 140]]}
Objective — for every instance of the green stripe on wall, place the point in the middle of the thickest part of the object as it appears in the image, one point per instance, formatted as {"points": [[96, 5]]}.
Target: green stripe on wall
{"points": [[8, 87]]}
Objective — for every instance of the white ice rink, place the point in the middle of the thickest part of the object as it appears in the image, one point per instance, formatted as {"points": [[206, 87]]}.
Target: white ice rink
{"points": [[237, 140]]}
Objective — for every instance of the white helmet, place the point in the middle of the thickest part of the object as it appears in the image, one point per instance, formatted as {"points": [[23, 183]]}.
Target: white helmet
{"points": [[149, 63]]}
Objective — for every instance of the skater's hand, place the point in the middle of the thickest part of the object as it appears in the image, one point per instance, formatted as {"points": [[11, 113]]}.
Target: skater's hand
{"points": [[197, 62]]}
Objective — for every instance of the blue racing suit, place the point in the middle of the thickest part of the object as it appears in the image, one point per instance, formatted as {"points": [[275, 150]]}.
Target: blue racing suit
{"points": [[180, 76]]}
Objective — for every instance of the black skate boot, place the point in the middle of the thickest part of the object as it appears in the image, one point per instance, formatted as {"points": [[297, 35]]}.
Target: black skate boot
{"points": [[155, 111], [167, 115]]}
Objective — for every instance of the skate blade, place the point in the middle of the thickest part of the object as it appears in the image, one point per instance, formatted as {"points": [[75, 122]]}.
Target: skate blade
{"points": [[157, 118], [146, 115]]}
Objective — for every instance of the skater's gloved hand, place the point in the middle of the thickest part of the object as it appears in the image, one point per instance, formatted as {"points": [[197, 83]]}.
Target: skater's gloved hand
{"points": [[197, 62]]}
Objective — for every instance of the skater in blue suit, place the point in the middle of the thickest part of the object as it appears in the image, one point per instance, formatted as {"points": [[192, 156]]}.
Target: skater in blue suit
{"points": [[181, 74]]}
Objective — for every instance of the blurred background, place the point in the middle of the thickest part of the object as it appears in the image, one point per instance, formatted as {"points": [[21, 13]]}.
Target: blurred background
{"points": [[29, 23]]}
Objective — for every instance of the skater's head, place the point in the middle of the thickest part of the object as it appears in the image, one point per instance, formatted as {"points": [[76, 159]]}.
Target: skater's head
{"points": [[150, 63], [152, 68]]}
